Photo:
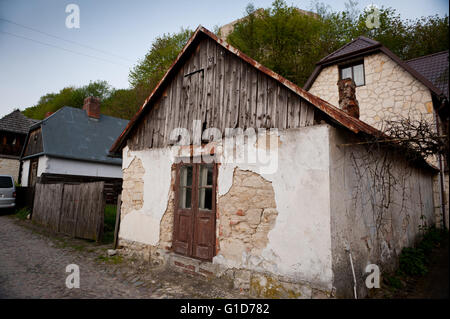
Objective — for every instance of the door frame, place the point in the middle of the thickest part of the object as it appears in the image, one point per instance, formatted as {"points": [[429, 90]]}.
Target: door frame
{"points": [[195, 211]]}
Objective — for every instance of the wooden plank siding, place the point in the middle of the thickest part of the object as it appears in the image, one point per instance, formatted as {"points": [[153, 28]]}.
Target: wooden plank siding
{"points": [[220, 90]]}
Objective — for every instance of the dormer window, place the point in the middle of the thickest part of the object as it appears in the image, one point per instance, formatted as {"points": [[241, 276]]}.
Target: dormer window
{"points": [[353, 71]]}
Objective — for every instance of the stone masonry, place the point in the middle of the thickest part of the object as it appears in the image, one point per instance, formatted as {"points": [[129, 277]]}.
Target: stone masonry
{"points": [[9, 167], [390, 91], [246, 215], [133, 187]]}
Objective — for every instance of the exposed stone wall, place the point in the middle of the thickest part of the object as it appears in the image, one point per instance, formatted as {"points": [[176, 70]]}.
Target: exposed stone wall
{"points": [[9, 167], [389, 91], [132, 187], [246, 214]]}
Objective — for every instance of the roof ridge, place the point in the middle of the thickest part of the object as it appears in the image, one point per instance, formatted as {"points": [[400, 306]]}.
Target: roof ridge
{"points": [[427, 56], [337, 114]]}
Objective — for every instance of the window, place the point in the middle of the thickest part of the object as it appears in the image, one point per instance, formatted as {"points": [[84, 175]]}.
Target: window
{"points": [[355, 72]]}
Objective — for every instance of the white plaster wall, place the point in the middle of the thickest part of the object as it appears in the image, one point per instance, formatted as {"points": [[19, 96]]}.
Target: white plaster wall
{"points": [[300, 242], [143, 225], [354, 222], [389, 91], [25, 171], [70, 167]]}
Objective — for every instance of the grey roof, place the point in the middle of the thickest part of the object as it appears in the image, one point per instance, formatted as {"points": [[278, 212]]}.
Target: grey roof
{"points": [[16, 122], [70, 133], [434, 67], [359, 43]]}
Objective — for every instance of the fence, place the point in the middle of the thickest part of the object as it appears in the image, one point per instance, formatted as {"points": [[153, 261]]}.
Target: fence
{"points": [[75, 210]]}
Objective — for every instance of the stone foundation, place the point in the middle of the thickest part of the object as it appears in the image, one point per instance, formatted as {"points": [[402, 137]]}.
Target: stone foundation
{"points": [[256, 284]]}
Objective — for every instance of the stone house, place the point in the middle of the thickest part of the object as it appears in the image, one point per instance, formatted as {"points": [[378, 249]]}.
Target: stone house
{"points": [[231, 170], [388, 88], [72, 145], [13, 130]]}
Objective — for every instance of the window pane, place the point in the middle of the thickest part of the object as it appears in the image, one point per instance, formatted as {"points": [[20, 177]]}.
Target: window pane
{"points": [[346, 73], [186, 176], [205, 175], [358, 72], [205, 198], [185, 197]]}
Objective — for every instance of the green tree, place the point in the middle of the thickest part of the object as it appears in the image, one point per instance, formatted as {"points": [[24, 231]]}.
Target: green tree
{"points": [[157, 61]]}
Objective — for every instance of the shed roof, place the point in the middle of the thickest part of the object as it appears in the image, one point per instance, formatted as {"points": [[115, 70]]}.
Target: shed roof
{"points": [[16, 122], [70, 133], [336, 114]]}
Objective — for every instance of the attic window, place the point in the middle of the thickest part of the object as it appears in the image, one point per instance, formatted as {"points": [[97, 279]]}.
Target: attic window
{"points": [[353, 71]]}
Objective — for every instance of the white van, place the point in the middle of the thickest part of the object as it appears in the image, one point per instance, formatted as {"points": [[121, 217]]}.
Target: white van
{"points": [[7, 192]]}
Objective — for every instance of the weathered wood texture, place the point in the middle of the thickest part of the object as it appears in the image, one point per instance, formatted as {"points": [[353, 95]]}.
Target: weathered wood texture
{"points": [[75, 210], [223, 91], [112, 188], [34, 143]]}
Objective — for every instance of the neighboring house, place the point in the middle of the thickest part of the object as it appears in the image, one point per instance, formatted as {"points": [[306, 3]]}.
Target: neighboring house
{"points": [[388, 88], [72, 145], [278, 211], [13, 130]]}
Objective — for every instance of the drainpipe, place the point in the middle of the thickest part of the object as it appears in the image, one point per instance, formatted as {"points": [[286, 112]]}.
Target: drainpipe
{"points": [[347, 249], [441, 177]]}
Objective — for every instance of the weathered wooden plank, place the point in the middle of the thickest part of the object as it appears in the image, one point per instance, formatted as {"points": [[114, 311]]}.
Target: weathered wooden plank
{"points": [[243, 98], [253, 97], [271, 118], [281, 107], [261, 108]]}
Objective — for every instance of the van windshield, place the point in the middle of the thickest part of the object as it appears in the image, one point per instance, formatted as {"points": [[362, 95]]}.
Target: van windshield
{"points": [[6, 182]]}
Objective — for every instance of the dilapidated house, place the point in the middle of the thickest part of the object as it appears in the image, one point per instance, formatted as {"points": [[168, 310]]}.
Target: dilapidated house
{"points": [[231, 170]]}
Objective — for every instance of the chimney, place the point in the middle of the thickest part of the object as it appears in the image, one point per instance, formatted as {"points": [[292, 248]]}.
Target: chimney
{"points": [[347, 97], [48, 114], [92, 106]]}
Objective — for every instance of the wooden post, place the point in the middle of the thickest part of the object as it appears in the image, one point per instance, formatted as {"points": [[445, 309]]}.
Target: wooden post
{"points": [[116, 229]]}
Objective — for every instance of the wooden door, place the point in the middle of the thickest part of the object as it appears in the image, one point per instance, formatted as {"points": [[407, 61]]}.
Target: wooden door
{"points": [[195, 214], [32, 173]]}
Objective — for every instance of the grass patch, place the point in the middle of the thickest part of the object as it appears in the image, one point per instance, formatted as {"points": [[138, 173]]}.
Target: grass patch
{"points": [[109, 224], [23, 213], [111, 260]]}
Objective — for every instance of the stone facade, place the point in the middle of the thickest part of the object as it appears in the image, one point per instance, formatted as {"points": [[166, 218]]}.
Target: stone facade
{"points": [[133, 187], [390, 91], [9, 167], [246, 214]]}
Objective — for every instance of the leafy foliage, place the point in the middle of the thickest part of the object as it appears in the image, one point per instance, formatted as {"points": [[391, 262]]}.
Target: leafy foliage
{"points": [[290, 41], [282, 37], [414, 260], [157, 61]]}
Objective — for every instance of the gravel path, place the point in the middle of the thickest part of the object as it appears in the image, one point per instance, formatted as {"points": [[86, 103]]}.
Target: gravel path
{"points": [[33, 265]]}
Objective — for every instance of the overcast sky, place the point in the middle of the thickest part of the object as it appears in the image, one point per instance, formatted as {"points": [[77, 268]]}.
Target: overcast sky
{"points": [[33, 64]]}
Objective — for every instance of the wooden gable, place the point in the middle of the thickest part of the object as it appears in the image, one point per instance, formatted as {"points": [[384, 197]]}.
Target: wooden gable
{"points": [[221, 90]]}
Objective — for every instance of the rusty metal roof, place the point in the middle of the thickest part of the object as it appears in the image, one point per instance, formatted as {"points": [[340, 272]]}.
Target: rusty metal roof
{"points": [[434, 67], [353, 124]]}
